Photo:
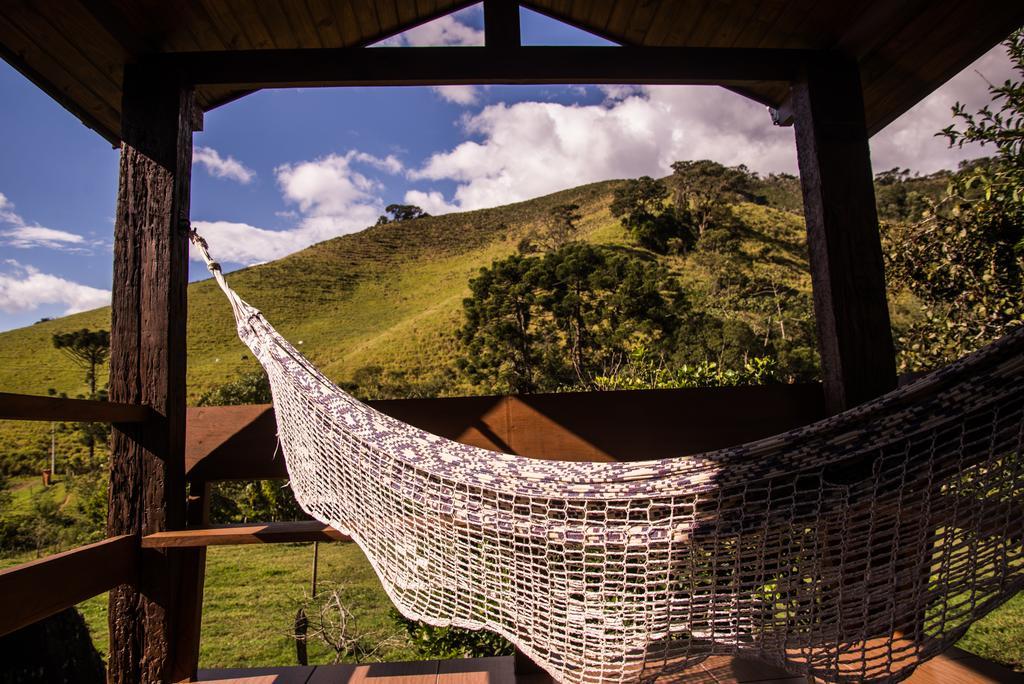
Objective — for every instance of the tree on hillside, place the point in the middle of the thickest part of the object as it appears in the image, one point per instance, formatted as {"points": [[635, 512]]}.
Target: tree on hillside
{"points": [[88, 349], [499, 337], [537, 323], [965, 261], [558, 228], [401, 212], [640, 204], [703, 188]]}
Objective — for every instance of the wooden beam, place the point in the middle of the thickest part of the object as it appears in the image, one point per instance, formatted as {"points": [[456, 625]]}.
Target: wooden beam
{"points": [[259, 533], [29, 407], [501, 23], [483, 65], [240, 442], [854, 334], [40, 588], [147, 361]]}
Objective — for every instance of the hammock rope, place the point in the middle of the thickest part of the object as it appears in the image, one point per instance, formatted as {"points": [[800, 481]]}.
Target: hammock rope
{"points": [[853, 549]]}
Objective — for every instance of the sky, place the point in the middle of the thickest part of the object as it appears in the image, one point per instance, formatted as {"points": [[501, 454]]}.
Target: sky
{"points": [[279, 170]]}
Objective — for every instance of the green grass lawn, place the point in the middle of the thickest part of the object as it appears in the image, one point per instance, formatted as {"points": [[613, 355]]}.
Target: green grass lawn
{"points": [[253, 592]]}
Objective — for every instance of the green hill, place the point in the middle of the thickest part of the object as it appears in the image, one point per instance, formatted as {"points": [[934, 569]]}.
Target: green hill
{"points": [[389, 299]]}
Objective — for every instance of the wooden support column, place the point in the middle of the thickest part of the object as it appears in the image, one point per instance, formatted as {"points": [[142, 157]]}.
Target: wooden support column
{"points": [[193, 582], [854, 336], [147, 363], [501, 23]]}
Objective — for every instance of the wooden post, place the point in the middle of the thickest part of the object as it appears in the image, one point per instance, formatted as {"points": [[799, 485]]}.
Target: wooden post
{"points": [[854, 336], [193, 582], [147, 362], [501, 23]]}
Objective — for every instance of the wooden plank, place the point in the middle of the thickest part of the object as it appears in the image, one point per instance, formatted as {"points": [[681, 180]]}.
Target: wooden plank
{"points": [[31, 407], [258, 533], [147, 362], [483, 65], [413, 672], [495, 670], [501, 23], [261, 675], [854, 335], [240, 442], [40, 588]]}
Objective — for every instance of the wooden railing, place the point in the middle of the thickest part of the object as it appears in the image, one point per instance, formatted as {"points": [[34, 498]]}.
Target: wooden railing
{"points": [[240, 443]]}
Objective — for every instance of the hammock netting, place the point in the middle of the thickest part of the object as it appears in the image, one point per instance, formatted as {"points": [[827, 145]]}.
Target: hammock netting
{"points": [[852, 549]]}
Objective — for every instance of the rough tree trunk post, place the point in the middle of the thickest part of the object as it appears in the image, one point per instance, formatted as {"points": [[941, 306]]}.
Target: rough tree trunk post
{"points": [[147, 363], [858, 361], [855, 340]]}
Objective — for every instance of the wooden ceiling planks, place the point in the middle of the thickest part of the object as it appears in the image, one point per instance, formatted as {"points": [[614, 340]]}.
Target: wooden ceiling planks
{"points": [[77, 86], [76, 51]]}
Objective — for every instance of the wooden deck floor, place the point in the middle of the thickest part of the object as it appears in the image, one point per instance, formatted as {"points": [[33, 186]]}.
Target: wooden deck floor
{"points": [[955, 667]]}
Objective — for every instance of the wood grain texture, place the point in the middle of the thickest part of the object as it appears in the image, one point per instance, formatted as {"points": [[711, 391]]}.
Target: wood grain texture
{"points": [[232, 535], [147, 363], [29, 407], [953, 667], [40, 588], [240, 442], [854, 334]]}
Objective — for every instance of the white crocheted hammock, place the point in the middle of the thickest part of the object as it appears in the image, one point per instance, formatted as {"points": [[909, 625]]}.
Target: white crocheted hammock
{"points": [[849, 550]]}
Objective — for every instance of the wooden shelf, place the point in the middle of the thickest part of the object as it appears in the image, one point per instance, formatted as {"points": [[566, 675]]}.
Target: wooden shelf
{"points": [[259, 533]]}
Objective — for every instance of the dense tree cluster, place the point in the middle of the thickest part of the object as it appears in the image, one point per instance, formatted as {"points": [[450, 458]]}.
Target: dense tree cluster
{"points": [[538, 322], [964, 261]]}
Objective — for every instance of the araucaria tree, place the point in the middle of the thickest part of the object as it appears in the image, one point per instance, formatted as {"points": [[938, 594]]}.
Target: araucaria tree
{"points": [[703, 189], [965, 261], [88, 349], [536, 323], [641, 205]]}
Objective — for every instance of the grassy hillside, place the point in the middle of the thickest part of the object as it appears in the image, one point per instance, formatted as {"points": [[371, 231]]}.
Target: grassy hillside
{"points": [[387, 297]]}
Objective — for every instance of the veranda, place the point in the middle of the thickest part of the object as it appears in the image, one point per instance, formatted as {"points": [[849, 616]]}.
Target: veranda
{"points": [[142, 75]]}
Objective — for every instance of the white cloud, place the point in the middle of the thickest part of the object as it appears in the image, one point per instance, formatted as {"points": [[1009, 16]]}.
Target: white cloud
{"points": [[25, 288], [390, 163], [910, 141], [464, 95], [446, 30], [219, 167], [7, 214], [432, 202], [533, 148], [39, 236], [331, 197], [25, 236]]}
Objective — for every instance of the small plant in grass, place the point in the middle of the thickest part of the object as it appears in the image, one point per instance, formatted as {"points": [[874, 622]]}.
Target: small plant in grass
{"points": [[330, 621]]}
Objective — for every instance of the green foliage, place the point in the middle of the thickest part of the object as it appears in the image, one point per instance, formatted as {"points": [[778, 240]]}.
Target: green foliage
{"points": [[249, 388], [903, 196], [703, 190], [645, 370], [964, 262], [401, 212], [376, 382], [540, 322], [641, 205], [451, 642], [558, 228], [253, 501]]}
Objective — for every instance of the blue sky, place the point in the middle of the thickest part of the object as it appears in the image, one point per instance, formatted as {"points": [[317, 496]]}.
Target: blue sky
{"points": [[282, 169]]}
